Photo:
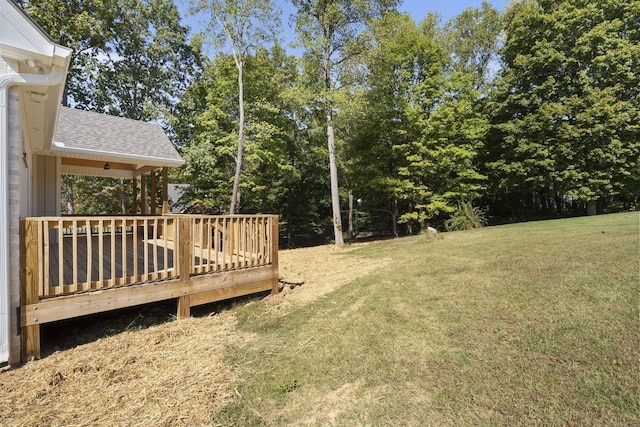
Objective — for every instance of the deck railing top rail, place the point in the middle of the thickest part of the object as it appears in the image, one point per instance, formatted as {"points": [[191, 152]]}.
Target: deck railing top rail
{"points": [[139, 217]]}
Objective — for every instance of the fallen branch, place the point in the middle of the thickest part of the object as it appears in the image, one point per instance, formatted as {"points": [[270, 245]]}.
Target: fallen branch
{"points": [[289, 283]]}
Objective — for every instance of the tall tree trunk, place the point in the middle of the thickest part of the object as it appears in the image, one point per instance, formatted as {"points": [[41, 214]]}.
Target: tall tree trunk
{"points": [[591, 207], [333, 172], [394, 217], [333, 168], [350, 214], [559, 204], [235, 194]]}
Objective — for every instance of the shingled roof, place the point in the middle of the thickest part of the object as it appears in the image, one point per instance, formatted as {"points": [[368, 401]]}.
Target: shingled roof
{"points": [[89, 135]]}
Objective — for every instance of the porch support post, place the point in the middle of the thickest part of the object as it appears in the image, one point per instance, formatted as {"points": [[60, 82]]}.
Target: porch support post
{"points": [[275, 279], [184, 247], [30, 272], [153, 193], [134, 192], [143, 194], [184, 307], [165, 190]]}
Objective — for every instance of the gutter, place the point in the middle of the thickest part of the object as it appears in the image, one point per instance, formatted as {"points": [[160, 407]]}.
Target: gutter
{"points": [[56, 76]]}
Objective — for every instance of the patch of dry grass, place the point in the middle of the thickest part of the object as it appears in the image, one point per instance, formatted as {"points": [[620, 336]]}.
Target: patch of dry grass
{"points": [[172, 373], [169, 374]]}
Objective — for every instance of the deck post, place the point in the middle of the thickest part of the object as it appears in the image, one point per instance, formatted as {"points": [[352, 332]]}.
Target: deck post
{"points": [[143, 194], [184, 247], [154, 201], [29, 272], [165, 190], [134, 194], [275, 279]]}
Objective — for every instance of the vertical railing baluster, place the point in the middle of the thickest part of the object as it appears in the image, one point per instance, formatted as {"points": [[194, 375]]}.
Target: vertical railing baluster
{"points": [[41, 258], [134, 243], [123, 256], [100, 253], [145, 242], [165, 223], [89, 237], [112, 282], [74, 256], [216, 242], [47, 256], [209, 243], [154, 275], [60, 257]]}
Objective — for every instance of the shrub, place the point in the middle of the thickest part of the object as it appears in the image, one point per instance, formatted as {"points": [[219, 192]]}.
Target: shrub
{"points": [[466, 217]]}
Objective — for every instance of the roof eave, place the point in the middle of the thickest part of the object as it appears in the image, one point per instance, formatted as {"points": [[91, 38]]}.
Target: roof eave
{"points": [[58, 149]]}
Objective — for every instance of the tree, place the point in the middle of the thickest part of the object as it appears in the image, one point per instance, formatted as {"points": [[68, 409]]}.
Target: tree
{"points": [[84, 26], [472, 38], [404, 67], [328, 30], [565, 110], [148, 65], [243, 25], [283, 170], [131, 59]]}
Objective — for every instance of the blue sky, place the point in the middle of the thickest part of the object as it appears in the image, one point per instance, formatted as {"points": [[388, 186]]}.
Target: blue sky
{"points": [[418, 9]]}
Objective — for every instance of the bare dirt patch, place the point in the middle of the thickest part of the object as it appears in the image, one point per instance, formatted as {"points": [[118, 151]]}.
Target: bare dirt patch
{"points": [[168, 374]]}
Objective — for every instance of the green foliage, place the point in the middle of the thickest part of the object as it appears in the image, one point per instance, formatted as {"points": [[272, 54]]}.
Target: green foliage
{"points": [[466, 217], [472, 38], [409, 114], [284, 388], [565, 108]]}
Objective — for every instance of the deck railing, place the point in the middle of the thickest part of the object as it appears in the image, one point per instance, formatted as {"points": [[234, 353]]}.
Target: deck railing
{"points": [[80, 254], [75, 266]]}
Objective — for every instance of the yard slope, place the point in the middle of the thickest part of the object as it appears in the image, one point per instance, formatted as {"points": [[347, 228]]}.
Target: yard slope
{"points": [[532, 323]]}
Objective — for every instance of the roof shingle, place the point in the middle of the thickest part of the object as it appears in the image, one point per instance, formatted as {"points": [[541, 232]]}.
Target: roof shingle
{"points": [[98, 135]]}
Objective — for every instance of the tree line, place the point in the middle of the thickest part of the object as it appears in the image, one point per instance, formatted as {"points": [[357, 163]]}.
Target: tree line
{"points": [[380, 124]]}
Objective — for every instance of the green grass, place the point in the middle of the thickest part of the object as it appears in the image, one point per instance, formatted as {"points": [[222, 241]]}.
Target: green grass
{"points": [[527, 324]]}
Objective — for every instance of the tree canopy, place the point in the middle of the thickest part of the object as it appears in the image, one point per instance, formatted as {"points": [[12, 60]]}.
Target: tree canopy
{"points": [[528, 113]]}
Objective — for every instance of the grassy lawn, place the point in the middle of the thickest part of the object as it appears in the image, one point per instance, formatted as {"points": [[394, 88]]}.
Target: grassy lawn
{"points": [[532, 323]]}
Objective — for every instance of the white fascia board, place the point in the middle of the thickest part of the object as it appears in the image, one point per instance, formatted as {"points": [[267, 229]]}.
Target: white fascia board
{"points": [[18, 32], [58, 148]]}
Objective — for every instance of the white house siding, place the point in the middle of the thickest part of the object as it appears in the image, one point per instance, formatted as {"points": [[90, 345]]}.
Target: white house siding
{"points": [[13, 239], [4, 304], [46, 182], [15, 154]]}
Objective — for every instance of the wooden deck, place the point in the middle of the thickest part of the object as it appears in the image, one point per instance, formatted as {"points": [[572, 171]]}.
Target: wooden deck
{"points": [[77, 266]]}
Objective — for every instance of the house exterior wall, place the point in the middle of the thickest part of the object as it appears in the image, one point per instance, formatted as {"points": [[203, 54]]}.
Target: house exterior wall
{"points": [[11, 290], [15, 136], [46, 183]]}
